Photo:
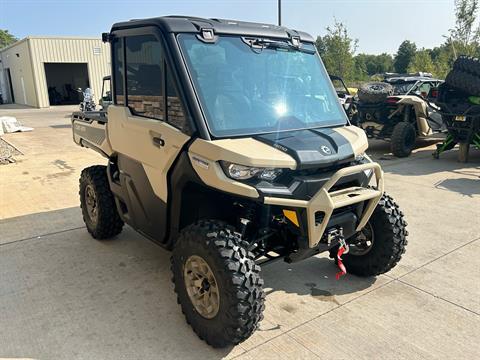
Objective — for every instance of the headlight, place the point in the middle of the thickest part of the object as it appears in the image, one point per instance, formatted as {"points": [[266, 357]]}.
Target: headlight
{"points": [[241, 172], [364, 158]]}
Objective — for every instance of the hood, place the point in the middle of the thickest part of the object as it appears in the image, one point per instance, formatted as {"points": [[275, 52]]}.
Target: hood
{"points": [[317, 148]]}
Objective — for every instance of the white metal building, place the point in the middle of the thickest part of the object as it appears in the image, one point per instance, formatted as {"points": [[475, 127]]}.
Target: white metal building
{"points": [[42, 71]]}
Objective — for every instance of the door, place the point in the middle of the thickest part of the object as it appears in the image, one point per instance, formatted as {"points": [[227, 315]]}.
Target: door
{"points": [[63, 80], [10, 86], [138, 131]]}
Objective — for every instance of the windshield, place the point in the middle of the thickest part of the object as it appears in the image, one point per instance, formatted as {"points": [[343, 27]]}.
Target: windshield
{"points": [[402, 88], [258, 87]]}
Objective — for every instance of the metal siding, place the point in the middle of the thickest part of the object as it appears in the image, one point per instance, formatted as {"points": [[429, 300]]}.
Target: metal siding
{"points": [[55, 50], [20, 66]]}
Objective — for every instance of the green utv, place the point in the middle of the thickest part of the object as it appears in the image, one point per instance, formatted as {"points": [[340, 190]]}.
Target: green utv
{"points": [[227, 144]]}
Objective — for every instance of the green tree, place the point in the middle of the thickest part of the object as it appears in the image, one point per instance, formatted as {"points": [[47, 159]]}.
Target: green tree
{"points": [[405, 54], [337, 48], [422, 61], [6, 38], [465, 34], [442, 58], [367, 65]]}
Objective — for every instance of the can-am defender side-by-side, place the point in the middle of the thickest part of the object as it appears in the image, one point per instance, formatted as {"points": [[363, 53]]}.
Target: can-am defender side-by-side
{"points": [[227, 144]]}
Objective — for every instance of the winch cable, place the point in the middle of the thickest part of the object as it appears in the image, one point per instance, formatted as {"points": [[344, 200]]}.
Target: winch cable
{"points": [[341, 266]]}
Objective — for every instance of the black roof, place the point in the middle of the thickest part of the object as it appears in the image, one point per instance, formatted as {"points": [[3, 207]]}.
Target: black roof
{"points": [[187, 24]]}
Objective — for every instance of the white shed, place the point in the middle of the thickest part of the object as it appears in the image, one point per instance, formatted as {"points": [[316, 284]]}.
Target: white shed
{"points": [[42, 71]]}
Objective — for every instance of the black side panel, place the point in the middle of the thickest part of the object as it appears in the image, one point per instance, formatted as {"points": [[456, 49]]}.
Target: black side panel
{"points": [[181, 174], [141, 208], [190, 199], [314, 148]]}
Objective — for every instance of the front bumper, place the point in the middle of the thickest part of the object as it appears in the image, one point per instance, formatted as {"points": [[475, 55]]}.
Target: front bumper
{"points": [[326, 201]]}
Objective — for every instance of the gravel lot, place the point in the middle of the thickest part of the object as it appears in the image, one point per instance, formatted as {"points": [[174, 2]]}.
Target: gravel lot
{"points": [[64, 295]]}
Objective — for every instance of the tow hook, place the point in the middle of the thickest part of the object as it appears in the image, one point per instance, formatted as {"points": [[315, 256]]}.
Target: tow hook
{"points": [[335, 236]]}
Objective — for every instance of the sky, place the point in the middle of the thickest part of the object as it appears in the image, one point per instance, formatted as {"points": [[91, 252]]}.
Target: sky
{"points": [[379, 25]]}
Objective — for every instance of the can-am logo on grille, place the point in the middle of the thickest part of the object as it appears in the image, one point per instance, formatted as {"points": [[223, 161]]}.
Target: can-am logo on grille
{"points": [[326, 150]]}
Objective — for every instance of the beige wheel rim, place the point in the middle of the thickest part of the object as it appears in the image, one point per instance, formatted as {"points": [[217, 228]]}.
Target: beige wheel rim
{"points": [[201, 286], [91, 203]]}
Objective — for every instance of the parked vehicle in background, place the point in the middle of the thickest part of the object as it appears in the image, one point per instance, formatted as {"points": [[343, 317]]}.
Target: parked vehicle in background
{"points": [[106, 99], [88, 103], [228, 146], [344, 94], [459, 103], [397, 110]]}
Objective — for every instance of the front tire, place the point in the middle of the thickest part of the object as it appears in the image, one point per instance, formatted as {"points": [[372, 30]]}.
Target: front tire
{"points": [[97, 203], [381, 244], [217, 283], [403, 139]]}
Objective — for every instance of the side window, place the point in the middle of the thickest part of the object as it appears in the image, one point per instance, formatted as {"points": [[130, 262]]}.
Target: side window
{"points": [[424, 89], [175, 112], [118, 71], [145, 76]]}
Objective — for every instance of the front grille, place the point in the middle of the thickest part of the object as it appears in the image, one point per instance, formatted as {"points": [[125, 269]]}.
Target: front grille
{"points": [[321, 170], [320, 215]]}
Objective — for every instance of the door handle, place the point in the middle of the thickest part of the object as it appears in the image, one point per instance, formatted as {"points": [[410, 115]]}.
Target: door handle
{"points": [[158, 141]]}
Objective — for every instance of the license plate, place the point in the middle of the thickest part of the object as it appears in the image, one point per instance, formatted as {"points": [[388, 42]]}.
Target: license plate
{"points": [[460, 118]]}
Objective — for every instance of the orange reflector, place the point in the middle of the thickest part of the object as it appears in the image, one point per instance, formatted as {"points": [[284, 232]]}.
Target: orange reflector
{"points": [[292, 216]]}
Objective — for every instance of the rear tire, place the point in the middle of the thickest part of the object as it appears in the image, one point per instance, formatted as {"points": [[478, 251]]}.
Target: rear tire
{"points": [[97, 203], [403, 139], [388, 243], [464, 81], [240, 301], [468, 64]]}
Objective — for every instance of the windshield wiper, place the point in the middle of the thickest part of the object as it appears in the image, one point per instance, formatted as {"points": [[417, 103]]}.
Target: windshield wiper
{"points": [[261, 44]]}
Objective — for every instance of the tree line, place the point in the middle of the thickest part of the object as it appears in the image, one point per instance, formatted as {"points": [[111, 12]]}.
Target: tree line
{"points": [[338, 50]]}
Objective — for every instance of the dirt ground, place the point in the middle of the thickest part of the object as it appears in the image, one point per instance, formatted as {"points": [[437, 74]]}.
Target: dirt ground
{"points": [[64, 295]]}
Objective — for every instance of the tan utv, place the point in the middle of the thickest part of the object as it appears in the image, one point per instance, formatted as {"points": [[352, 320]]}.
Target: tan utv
{"points": [[227, 144], [398, 110]]}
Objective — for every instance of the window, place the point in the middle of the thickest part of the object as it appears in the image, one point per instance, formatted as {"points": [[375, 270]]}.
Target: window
{"points": [[424, 89], [145, 76], [175, 113], [118, 70]]}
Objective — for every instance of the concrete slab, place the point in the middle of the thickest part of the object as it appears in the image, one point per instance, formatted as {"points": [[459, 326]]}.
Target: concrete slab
{"points": [[393, 322], [454, 277], [282, 347], [39, 224], [68, 296], [45, 177], [299, 292], [439, 221]]}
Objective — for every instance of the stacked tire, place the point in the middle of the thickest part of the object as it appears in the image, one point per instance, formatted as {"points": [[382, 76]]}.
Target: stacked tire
{"points": [[374, 92], [465, 75]]}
